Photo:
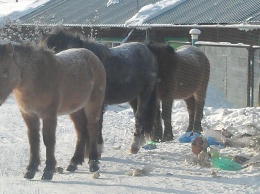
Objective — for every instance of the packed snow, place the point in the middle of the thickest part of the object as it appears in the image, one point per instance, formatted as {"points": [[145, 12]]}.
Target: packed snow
{"points": [[167, 169]]}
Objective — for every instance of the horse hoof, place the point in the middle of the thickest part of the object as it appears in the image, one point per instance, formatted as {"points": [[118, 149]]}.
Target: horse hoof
{"points": [[134, 150], [72, 167], [47, 175], [156, 139], [167, 138], [29, 174], [93, 165]]}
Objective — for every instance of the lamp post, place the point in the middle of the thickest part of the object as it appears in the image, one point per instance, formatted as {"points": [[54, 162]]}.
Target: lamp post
{"points": [[194, 35]]}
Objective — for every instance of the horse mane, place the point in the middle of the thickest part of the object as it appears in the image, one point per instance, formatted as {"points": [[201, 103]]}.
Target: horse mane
{"points": [[75, 40], [27, 47], [166, 58]]}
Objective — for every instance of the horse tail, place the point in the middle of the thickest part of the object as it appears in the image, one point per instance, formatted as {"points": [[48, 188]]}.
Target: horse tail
{"points": [[150, 113]]}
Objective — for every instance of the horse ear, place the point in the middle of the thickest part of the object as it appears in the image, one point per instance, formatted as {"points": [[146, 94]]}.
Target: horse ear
{"points": [[154, 48], [9, 48], [170, 49]]}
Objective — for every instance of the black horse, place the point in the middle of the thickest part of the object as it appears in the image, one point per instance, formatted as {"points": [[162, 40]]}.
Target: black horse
{"points": [[131, 72]]}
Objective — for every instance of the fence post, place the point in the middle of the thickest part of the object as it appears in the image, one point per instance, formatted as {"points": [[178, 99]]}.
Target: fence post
{"points": [[250, 85], [194, 35]]}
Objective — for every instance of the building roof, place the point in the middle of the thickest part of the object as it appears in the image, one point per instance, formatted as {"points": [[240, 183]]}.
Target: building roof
{"points": [[189, 12], [211, 12], [84, 13]]}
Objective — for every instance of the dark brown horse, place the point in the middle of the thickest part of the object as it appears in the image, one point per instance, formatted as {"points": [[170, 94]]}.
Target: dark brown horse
{"points": [[183, 74], [45, 86]]}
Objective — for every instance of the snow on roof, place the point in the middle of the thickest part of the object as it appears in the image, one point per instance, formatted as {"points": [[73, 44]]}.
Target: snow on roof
{"points": [[112, 2], [10, 12], [152, 10]]}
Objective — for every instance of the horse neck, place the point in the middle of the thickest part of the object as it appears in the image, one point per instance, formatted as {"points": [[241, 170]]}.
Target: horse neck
{"points": [[100, 50], [23, 58]]}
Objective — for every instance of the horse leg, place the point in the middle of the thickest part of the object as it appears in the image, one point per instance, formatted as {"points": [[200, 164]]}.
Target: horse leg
{"points": [[190, 102], [158, 129], [138, 133], [199, 105], [49, 138], [140, 119], [133, 104], [33, 127], [93, 116], [80, 123], [166, 116], [100, 135]]}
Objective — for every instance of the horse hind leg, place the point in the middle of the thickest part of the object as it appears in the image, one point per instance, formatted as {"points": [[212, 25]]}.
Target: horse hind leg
{"points": [[80, 123], [190, 103], [144, 100], [93, 111], [158, 129], [166, 116], [199, 106], [33, 127]]}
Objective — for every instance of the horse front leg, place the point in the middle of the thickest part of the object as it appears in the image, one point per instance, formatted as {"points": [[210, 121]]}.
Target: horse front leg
{"points": [[33, 128], [80, 123], [49, 139], [166, 116], [93, 130]]}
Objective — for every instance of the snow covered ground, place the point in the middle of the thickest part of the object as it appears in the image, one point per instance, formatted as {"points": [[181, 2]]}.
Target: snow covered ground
{"points": [[169, 167]]}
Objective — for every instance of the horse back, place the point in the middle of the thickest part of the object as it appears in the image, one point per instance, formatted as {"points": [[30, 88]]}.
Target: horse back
{"points": [[130, 68], [84, 77], [192, 72], [61, 83]]}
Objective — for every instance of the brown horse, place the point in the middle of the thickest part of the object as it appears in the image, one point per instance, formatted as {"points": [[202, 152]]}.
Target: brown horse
{"points": [[183, 74], [45, 86]]}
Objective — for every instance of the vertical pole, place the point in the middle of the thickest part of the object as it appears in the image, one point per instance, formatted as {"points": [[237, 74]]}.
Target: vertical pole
{"points": [[250, 84], [194, 35]]}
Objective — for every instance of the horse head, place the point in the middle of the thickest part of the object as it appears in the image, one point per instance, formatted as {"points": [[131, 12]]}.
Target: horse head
{"points": [[165, 56], [9, 75], [61, 40]]}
